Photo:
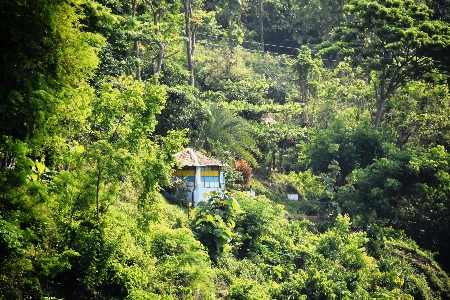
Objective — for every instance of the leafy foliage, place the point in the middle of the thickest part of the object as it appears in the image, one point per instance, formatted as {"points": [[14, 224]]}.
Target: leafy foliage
{"points": [[229, 133], [182, 111], [214, 222], [406, 187], [392, 41], [350, 147], [246, 171], [421, 119], [95, 102]]}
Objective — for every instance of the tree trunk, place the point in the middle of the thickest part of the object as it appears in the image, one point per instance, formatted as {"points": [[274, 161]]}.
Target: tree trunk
{"points": [[304, 96], [160, 55], [8, 161], [190, 35], [162, 47], [97, 194], [230, 36], [381, 99], [381, 102], [280, 161], [273, 160], [138, 68], [261, 26], [136, 43], [159, 58]]}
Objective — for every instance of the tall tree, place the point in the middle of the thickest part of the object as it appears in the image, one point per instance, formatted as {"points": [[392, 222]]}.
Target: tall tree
{"points": [[182, 111], [232, 10], [164, 28], [392, 40], [304, 68], [43, 53], [136, 42], [291, 23], [46, 63], [261, 25], [419, 113], [195, 18], [190, 36]]}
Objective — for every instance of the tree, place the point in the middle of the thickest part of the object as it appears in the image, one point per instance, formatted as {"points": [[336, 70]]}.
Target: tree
{"points": [[119, 23], [163, 22], [291, 23], [182, 111], [305, 69], [440, 9], [405, 189], [278, 138], [194, 18], [261, 25], [231, 11], [191, 30], [230, 131], [391, 40], [190, 36], [418, 112], [29, 260], [46, 60], [122, 120], [136, 42], [46, 63], [114, 155], [242, 167], [352, 147], [141, 34]]}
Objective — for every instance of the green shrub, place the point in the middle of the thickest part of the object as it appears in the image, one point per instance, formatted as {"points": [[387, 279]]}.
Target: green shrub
{"points": [[214, 222]]}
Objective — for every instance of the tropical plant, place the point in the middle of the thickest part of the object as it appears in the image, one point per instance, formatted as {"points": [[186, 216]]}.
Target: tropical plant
{"points": [[182, 111], [233, 132], [214, 222]]}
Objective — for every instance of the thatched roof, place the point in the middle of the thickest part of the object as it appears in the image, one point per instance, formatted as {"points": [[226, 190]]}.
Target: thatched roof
{"points": [[191, 157]]}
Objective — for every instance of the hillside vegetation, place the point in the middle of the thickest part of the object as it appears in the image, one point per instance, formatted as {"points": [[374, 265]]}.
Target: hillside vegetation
{"points": [[345, 103]]}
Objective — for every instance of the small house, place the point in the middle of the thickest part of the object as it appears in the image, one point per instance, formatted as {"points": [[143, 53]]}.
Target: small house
{"points": [[203, 174]]}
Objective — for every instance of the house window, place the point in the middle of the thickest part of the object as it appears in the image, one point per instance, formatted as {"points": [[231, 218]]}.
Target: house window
{"points": [[210, 176], [188, 174]]}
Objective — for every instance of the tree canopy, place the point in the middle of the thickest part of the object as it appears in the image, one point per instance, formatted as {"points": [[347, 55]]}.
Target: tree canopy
{"points": [[346, 110]]}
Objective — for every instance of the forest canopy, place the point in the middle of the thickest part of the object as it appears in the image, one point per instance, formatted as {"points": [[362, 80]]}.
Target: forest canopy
{"points": [[344, 104]]}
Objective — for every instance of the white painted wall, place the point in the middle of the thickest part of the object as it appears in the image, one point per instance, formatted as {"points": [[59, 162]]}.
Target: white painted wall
{"points": [[293, 197], [201, 193]]}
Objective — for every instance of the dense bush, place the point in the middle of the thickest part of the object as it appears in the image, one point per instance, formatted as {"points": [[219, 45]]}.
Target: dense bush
{"points": [[246, 171], [350, 147], [214, 221]]}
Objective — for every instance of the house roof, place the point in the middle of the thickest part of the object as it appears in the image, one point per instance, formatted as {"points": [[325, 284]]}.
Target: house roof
{"points": [[267, 118], [191, 157]]}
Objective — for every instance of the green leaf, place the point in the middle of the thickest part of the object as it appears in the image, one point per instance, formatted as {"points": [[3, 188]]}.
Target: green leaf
{"points": [[34, 177], [235, 204], [217, 232], [40, 167], [277, 270]]}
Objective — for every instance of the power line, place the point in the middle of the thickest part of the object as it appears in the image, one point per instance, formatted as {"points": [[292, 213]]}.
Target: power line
{"points": [[204, 42], [287, 47]]}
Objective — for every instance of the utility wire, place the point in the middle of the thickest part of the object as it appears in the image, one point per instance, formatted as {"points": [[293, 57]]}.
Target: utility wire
{"points": [[258, 44]]}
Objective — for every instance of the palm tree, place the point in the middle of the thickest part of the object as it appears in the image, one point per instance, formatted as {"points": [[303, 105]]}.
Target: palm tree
{"points": [[230, 132]]}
